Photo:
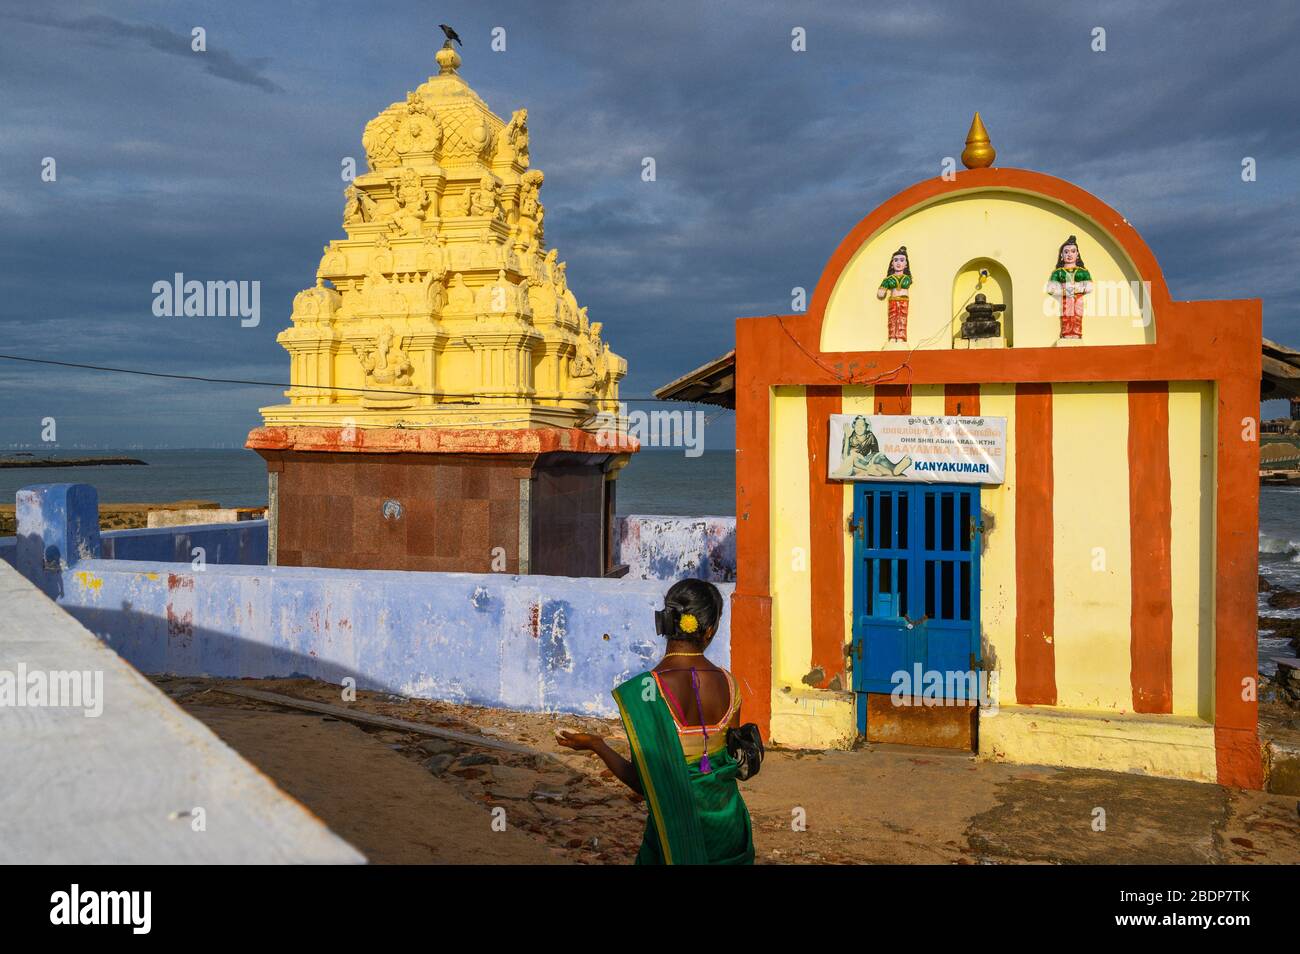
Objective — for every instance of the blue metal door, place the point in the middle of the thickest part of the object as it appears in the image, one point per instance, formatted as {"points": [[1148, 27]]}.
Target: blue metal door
{"points": [[915, 587]]}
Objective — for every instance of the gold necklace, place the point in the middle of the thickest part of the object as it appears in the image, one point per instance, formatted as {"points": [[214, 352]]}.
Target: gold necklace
{"points": [[666, 655]]}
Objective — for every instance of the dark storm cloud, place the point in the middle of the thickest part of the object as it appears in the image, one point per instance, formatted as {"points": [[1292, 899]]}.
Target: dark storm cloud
{"points": [[215, 61], [765, 158]]}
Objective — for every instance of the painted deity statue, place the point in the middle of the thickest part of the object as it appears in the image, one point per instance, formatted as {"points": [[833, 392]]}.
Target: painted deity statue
{"points": [[1068, 283], [898, 281], [860, 454]]}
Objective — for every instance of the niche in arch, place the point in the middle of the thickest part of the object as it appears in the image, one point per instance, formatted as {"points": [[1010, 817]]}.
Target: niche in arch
{"points": [[986, 277]]}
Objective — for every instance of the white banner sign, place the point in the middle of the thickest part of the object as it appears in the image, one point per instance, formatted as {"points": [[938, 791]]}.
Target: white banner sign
{"points": [[931, 450]]}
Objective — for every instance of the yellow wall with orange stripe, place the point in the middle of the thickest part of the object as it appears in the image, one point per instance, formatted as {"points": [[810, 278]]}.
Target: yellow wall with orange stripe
{"points": [[1091, 541]]}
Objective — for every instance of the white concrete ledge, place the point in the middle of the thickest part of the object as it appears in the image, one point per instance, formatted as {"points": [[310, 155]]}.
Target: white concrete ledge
{"points": [[122, 787]]}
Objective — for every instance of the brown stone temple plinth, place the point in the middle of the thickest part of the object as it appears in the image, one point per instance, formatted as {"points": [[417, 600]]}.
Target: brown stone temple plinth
{"points": [[520, 501]]}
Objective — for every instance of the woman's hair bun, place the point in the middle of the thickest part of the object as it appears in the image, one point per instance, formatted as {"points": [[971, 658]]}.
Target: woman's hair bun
{"points": [[692, 608]]}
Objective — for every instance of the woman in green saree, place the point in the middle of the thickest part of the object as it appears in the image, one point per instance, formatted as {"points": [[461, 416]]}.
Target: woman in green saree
{"points": [[676, 717]]}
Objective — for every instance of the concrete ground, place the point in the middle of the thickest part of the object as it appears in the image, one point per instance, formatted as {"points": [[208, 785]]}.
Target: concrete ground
{"points": [[401, 797]]}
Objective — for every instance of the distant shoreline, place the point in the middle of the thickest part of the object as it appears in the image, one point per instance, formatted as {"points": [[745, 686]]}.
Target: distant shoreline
{"points": [[70, 461]]}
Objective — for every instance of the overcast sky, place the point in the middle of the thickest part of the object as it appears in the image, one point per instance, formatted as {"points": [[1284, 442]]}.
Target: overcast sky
{"points": [[226, 164]]}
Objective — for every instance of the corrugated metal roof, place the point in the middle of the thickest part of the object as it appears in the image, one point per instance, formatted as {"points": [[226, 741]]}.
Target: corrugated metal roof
{"points": [[712, 383], [1281, 372]]}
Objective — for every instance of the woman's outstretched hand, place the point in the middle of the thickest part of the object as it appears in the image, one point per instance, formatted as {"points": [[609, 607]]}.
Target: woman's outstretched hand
{"points": [[621, 767], [579, 740]]}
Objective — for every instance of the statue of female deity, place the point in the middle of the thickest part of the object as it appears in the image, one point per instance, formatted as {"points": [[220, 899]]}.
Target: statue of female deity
{"points": [[1068, 283], [898, 279]]}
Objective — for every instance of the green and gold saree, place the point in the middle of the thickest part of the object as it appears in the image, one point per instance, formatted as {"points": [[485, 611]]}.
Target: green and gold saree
{"points": [[695, 817]]}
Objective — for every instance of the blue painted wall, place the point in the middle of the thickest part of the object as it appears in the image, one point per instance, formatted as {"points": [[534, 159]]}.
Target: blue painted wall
{"points": [[532, 642], [58, 525], [674, 548], [526, 642], [653, 547], [241, 543]]}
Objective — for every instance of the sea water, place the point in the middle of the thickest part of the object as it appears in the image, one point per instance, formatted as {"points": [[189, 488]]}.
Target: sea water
{"points": [[654, 482], [1279, 564]]}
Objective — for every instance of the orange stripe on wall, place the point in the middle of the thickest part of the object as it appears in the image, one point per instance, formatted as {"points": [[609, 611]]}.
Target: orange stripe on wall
{"points": [[893, 399], [961, 400], [1035, 573], [1236, 661], [751, 604], [826, 539], [1150, 533]]}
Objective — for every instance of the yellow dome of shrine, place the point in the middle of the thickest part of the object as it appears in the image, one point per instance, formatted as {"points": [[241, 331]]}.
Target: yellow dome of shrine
{"points": [[446, 307]]}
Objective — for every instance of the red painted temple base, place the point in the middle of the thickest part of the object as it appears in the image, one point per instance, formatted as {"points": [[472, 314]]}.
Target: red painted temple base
{"points": [[522, 501]]}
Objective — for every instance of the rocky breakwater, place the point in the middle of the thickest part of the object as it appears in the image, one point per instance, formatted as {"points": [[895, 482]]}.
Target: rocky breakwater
{"points": [[1279, 695]]}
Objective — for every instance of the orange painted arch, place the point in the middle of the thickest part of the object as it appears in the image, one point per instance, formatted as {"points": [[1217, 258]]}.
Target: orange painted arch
{"points": [[1208, 341]]}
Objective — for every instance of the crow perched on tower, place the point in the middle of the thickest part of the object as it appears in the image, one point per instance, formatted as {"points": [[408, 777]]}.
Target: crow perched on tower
{"points": [[450, 33]]}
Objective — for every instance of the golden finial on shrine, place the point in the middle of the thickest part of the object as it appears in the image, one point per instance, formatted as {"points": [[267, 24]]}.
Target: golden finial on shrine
{"points": [[448, 59], [979, 152]]}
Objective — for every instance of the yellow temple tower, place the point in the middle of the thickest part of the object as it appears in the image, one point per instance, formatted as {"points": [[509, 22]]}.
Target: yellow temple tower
{"points": [[451, 407]]}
